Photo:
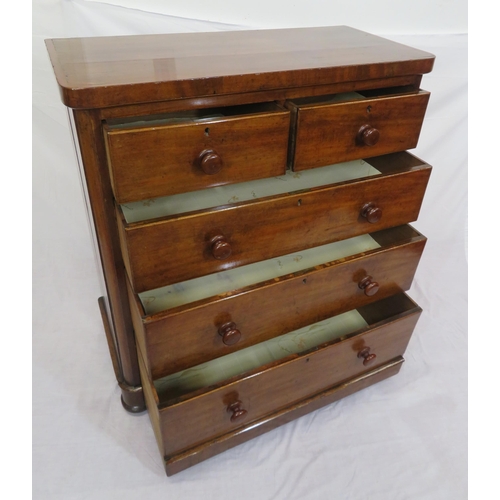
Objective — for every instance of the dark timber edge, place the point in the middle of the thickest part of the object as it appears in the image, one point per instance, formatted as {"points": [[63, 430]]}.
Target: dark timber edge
{"points": [[132, 398]]}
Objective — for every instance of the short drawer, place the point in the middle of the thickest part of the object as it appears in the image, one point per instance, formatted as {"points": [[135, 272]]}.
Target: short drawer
{"points": [[181, 152], [344, 127], [181, 246], [207, 401], [193, 322]]}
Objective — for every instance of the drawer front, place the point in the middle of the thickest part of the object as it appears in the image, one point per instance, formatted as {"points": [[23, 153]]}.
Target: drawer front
{"points": [[177, 463], [204, 416], [334, 133], [176, 249], [193, 334], [160, 160]]}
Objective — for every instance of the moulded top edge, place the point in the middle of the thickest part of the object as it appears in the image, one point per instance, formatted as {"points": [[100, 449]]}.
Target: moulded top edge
{"points": [[110, 71]]}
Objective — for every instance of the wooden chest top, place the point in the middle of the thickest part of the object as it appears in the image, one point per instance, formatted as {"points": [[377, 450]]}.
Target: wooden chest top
{"points": [[109, 71]]}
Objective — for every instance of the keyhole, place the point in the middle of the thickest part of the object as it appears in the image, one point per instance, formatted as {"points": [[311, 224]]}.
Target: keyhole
{"points": [[369, 109], [207, 131], [299, 203]]}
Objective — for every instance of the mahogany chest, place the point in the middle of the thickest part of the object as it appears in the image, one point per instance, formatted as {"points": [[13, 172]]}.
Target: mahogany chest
{"points": [[251, 194]]}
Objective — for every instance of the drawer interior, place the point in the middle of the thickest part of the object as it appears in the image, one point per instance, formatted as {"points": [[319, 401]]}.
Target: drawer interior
{"points": [[239, 362], [192, 115], [332, 211], [246, 191], [328, 99], [204, 287], [258, 358], [219, 284], [352, 96], [291, 182]]}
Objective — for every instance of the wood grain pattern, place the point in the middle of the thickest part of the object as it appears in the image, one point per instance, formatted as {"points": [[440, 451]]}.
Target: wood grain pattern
{"points": [[189, 335], [115, 71], [176, 248], [406, 82], [329, 133], [160, 160], [151, 400], [88, 128], [114, 81], [181, 461], [202, 415]]}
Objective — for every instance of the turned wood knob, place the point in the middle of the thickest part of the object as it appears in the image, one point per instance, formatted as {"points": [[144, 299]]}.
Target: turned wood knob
{"points": [[237, 412], [368, 135], [371, 212], [229, 333], [220, 247], [210, 162], [365, 354], [369, 286]]}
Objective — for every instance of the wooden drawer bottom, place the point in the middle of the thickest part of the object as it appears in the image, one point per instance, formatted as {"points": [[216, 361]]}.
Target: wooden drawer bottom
{"points": [[201, 417], [193, 456]]}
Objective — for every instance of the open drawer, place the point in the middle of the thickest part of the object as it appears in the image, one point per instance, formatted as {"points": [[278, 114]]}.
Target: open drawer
{"points": [[192, 322], [194, 408], [342, 127], [190, 235], [186, 151]]}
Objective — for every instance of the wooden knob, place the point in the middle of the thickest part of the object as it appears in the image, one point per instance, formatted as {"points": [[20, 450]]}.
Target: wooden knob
{"points": [[369, 286], [236, 410], [365, 354], [368, 135], [220, 247], [371, 212], [229, 333], [210, 162]]}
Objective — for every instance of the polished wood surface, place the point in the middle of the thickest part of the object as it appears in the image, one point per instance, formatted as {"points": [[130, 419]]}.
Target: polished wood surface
{"points": [[368, 135], [220, 248], [162, 159], [266, 93], [333, 133], [111, 71], [406, 83], [236, 410], [193, 456], [369, 287], [367, 356], [250, 228], [98, 188], [229, 333], [189, 335], [191, 419], [371, 212], [180, 461]]}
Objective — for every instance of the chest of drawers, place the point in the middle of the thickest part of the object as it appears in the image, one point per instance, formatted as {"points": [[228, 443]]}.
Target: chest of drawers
{"points": [[250, 194]]}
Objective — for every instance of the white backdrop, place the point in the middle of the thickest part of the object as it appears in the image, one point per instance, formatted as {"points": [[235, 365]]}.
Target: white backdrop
{"points": [[387, 16], [402, 439]]}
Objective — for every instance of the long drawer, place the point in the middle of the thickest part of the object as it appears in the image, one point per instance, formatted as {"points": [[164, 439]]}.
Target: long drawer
{"points": [[347, 126], [176, 463], [187, 415], [178, 247], [190, 323], [180, 152]]}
